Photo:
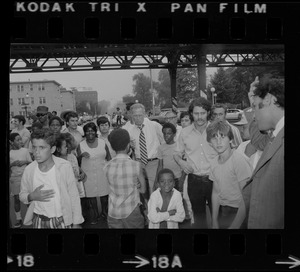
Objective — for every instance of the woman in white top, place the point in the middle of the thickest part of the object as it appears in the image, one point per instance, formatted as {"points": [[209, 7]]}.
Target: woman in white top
{"points": [[93, 153]]}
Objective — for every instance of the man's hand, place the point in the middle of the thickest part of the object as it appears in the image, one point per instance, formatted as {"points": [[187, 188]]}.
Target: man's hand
{"points": [[187, 168], [85, 155], [21, 163], [172, 212], [15, 163], [41, 195], [253, 86], [132, 143]]}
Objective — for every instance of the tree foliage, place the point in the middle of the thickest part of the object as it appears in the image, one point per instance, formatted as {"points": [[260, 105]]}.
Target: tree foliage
{"points": [[231, 85]]}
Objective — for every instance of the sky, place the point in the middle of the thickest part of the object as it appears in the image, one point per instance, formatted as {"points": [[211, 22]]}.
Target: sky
{"points": [[110, 85]]}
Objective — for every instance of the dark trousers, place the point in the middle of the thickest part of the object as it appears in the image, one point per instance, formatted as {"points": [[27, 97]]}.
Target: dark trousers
{"points": [[199, 191], [104, 205], [226, 216]]}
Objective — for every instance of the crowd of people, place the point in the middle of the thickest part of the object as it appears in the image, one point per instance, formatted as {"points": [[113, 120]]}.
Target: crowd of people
{"points": [[204, 173]]}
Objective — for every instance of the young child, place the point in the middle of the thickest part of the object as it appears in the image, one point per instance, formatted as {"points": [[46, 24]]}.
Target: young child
{"points": [[19, 158], [230, 171], [165, 206], [126, 182], [49, 185], [65, 143], [165, 154]]}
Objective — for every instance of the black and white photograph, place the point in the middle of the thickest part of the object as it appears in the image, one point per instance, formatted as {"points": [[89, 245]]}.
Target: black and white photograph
{"points": [[151, 135], [157, 136]]}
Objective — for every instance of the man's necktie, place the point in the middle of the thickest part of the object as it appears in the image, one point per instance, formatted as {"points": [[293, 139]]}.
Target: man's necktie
{"points": [[143, 147], [271, 135]]}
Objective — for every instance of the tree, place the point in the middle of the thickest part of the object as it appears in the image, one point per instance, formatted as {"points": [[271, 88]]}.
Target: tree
{"points": [[141, 90], [128, 98], [187, 84], [163, 88], [186, 87], [223, 86], [232, 84]]}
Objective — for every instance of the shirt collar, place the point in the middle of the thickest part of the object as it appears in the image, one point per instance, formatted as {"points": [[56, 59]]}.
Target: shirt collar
{"points": [[279, 126]]}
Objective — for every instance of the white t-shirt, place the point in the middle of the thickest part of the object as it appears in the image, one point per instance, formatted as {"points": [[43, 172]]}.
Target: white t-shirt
{"points": [[51, 208], [226, 177]]}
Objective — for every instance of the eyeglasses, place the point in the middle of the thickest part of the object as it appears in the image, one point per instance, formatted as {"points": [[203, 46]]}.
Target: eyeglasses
{"points": [[40, 114]]}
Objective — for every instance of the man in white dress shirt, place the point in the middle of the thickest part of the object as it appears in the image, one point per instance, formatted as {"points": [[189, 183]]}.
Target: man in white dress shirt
{"points": [[153, 138]]}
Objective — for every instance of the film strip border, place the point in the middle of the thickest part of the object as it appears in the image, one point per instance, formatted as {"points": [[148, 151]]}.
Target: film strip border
{"points": [[152, 22], [201, 250], [126, 250]]}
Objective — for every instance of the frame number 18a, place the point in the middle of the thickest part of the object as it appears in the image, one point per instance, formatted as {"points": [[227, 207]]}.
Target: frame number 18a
{"points": [[166, 262]]}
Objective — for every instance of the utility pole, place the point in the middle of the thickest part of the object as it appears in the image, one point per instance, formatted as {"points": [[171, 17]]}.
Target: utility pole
{"points": [[152, 92]]}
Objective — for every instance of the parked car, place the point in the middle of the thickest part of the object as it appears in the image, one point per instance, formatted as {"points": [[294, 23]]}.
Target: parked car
{"points": [[234, 114], [159, 118]]}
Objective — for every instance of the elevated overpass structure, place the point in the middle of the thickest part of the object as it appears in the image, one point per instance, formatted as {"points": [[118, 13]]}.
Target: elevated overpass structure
{"points": [[52, 57]]}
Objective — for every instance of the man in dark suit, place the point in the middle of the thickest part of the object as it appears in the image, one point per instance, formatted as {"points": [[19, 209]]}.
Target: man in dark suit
{"points": [[264, 193]]}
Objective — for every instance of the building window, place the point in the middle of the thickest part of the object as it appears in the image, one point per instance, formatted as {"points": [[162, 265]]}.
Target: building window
{"points": [[32, 100], [20, 101], [11, 101], [42, 100], [41, 87], [18, 88], [31, 87]]}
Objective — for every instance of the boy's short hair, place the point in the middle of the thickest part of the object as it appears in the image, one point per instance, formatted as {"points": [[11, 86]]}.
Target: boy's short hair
{"points": [[165, 171], [70, 115], [218, 126], [12, 136], [44, 134], [20, 118], [37, 125], [119, 139], [219, 106], [102, 120], [186, 113], [169, 125]]}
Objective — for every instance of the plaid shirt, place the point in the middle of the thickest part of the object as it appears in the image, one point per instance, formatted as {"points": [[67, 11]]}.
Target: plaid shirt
{"points": [[122, 175]]}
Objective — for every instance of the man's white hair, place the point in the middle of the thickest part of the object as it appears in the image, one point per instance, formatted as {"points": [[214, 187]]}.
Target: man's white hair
{"points": [[137, 106]]}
